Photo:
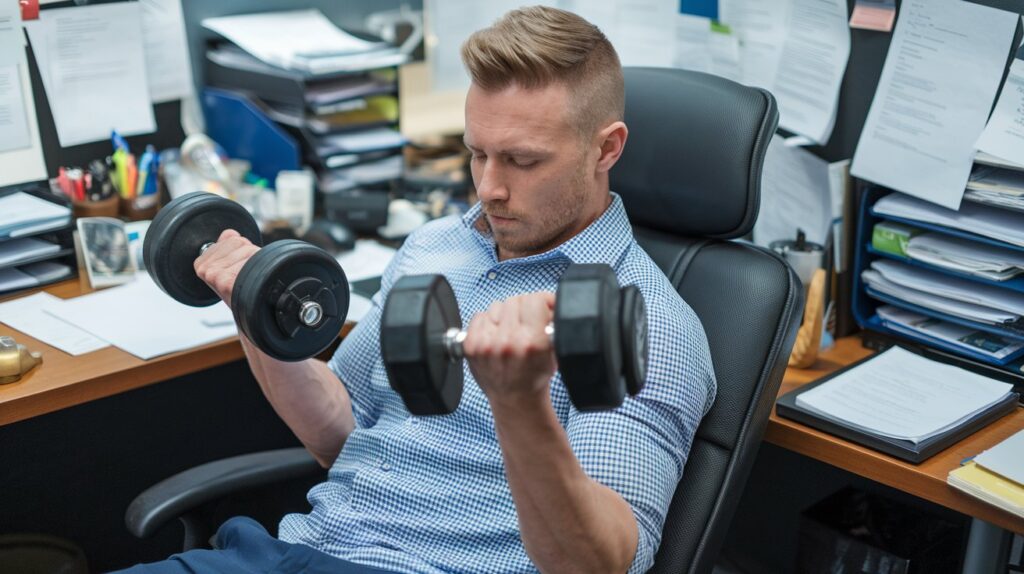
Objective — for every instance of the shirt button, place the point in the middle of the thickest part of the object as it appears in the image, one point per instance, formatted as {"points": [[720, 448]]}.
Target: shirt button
{"points": [[385, 466], [492, 274]]}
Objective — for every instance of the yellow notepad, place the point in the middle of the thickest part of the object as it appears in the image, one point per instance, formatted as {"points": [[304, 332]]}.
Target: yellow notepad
{"points": [[988, 486]]}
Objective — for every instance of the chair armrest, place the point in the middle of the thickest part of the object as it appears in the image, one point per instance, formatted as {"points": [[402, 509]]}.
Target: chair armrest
{"points": [[178, 495]]}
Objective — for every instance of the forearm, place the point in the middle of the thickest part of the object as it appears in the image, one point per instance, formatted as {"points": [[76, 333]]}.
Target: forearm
{"points": [[568, 522], [310, 399]]}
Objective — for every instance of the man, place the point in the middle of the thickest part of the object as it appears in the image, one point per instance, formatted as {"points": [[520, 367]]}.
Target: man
{"points": [[516, 479]]}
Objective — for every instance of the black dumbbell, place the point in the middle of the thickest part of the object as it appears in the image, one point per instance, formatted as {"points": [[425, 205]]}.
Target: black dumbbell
{"points": [[599, 333], [290, 298]]}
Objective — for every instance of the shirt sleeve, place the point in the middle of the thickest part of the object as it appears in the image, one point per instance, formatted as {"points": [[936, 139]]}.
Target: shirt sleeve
{"points": [[359, 353], [639, 450]]}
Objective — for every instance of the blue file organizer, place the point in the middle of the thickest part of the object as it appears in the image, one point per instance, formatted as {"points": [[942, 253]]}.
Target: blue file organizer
{"points": [[245, 132], [866, 301]]}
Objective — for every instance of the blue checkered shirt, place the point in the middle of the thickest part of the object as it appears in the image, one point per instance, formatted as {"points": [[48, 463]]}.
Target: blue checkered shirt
{"points": [[429, 494]]}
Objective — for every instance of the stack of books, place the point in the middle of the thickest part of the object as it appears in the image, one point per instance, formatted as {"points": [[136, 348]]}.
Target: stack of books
{"points": [[995, 476]]}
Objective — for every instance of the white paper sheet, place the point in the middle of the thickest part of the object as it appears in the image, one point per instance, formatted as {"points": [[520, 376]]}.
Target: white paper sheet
{"points": [[934, 95], [11, 41], [794, 195], [27, 315], [798, 49], [169, 68], [812, 66], [929, 300], [168, 326], [22, 209], [14, 130], [24, 163], [905, 396], [944, 285], [16, 250], [368, 260], [1006, 458], [704, 47], [1004, 135], [644, 32], [91, 60]]}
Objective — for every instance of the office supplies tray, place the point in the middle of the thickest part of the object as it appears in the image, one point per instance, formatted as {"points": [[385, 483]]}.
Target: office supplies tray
{"points": [[865, 300], [787, 407], [62, 235]]}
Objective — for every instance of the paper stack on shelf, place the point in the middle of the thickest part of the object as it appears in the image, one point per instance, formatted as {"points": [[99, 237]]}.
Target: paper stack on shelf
{"points": [[996, 186], [983, 220], [303, 40], [970, 340], [965, 256]]}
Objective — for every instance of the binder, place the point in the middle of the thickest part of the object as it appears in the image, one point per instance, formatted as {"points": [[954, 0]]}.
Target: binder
{"points": [[787, 407]]}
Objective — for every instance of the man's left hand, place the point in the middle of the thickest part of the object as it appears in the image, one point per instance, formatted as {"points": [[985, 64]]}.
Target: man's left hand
{"points": [[509, 353]]}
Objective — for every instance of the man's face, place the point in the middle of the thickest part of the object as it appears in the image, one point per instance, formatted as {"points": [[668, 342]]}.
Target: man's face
{"points": [[534, 174]]}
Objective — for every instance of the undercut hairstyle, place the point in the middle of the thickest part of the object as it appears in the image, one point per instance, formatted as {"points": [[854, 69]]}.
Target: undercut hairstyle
{"points": [[537, 46]]}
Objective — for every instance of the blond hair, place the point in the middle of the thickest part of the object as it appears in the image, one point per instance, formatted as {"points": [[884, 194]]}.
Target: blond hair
{"points": [[537, 46]]}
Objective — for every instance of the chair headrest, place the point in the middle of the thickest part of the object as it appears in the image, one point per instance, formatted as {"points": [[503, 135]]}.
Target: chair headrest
{"points": [[692, 163]]}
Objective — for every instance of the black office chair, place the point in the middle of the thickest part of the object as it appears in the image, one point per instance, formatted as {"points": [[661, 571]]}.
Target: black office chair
{"points": [[690, 180]]}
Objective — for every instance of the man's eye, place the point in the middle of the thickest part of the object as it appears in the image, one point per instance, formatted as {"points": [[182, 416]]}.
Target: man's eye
{"points": [[522, 162], [478, 157]]}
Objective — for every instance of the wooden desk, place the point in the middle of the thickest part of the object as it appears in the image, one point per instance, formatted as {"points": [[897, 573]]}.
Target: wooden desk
{"points": [[63, 381], [926, 480]]}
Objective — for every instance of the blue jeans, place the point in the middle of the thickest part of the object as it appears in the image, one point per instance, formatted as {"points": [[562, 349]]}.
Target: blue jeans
{"points": [[244, 546]]}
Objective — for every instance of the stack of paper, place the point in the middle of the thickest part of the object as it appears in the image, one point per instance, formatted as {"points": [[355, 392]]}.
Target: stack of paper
{"points": [[996, 475], [303, 40], [165, 326], [22, 214], [965, 256], [996, 186], [918, 326], [26, 314], [946, 294], [980, 219], [904, 396]]}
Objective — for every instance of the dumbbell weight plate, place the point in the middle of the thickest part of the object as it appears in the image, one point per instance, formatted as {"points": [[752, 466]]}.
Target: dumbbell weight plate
{"points": [[418, 311], [269, 292], [633, 326], [587, 336], [178, 232]]}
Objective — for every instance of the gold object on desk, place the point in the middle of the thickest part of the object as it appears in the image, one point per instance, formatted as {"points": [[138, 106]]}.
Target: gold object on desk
{"points": [[808, 338], [15, 360]]}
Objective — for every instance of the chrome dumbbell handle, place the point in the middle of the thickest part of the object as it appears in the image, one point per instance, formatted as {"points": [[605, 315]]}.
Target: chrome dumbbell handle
{"points": [[453, 339]]}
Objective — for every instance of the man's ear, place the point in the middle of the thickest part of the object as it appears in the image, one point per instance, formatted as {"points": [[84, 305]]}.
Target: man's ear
{"points": [[611, 141]]}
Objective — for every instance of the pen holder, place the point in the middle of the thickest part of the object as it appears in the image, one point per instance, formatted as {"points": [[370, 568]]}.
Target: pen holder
{"points": [[102, 208], [141, 207]]}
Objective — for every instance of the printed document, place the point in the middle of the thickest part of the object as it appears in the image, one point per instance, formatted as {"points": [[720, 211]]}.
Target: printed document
{"points": [[21, 152], [797, 49], [940, 78], [1004, 135], [11, 36], [92, 63], [904, 396], [794, 194], [168, 67], [27, 315]]}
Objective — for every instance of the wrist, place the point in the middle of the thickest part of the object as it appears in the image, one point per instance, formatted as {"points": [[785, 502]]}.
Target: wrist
{"points": [[521, 403]]}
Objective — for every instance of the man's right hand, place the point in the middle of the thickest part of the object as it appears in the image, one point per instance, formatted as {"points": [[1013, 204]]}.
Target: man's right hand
{"points": [[219, 265]]}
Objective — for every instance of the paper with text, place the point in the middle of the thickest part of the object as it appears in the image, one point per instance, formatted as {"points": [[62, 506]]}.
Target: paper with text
{"points": [[902, 395], [1004, 135], [794, 195], [91, 60], [940, 77], [168, 67]]}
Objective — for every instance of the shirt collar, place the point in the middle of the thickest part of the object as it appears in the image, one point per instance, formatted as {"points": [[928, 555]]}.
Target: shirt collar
{"points": [[603, 241]]}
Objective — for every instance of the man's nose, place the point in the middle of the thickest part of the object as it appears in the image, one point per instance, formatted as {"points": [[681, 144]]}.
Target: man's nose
{"points": [[491, 186]]}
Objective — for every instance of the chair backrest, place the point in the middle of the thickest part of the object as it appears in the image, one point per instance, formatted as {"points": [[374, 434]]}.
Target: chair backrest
{"points": [[690, 180]]}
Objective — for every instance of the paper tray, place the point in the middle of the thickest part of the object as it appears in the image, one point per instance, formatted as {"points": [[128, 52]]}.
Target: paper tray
{"points": [[902, 449]]}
